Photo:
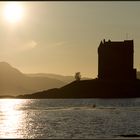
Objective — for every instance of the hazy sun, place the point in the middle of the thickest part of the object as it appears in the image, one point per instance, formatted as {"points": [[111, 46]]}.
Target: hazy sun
{"points": [[13, 12]]}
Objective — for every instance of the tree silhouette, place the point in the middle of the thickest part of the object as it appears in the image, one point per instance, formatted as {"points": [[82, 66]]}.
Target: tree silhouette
{"points": [[77, 76]]}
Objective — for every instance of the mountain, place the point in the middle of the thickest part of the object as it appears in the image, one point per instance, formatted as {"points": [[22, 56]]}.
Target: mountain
{"points": [[13, 82], [66, 79]]}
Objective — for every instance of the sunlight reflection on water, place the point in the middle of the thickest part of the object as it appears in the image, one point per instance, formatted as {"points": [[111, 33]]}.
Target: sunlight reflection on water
{"points": [[10, 117], [72, 118]]}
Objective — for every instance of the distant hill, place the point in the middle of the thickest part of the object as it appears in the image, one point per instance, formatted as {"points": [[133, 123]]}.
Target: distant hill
{"points": [[14, 82], [66, 79]]}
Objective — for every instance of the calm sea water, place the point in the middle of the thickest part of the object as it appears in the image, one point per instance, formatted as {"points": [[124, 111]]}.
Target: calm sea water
{"points": [[69, 118]]}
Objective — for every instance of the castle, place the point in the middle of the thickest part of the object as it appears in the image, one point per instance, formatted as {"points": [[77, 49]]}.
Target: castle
{"points": [[115, 60]]}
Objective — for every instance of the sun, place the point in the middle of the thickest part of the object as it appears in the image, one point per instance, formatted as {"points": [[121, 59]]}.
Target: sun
{"points": [[13, 12]]}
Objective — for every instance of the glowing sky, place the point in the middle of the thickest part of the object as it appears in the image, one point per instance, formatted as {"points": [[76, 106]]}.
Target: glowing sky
{"points": [[63, 37]]}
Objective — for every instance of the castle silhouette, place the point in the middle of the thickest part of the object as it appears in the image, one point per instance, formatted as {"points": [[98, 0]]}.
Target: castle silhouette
{"points": [[115, 60]]}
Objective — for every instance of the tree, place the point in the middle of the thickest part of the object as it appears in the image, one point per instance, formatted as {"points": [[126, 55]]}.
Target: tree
{"points": [[77, 76]]}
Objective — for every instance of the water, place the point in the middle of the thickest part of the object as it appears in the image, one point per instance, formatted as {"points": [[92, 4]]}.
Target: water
{"points": [[69, 118]]}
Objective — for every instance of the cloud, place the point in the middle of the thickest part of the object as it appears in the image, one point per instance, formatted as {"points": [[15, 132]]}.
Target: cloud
{"points": [[29, 45], [24, 46], [16, 46], [58, 44]]}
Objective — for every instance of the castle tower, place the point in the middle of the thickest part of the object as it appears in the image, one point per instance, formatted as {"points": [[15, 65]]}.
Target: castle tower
{"points": [[115, 60]]}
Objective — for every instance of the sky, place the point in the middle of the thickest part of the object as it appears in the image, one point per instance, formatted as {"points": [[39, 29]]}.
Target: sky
{"points": [[63, 37]]}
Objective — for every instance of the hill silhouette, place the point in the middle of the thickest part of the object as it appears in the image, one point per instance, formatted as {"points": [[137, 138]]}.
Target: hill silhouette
{"points": [[66, 79], [13, 82], [91, 89]]}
